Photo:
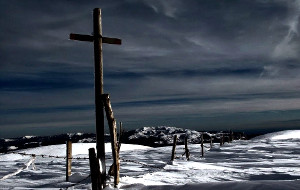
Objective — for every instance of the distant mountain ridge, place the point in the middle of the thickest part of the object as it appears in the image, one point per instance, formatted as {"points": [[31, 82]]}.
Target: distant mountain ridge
{"points": [[149, 136], [163, 135], [12, 144]]}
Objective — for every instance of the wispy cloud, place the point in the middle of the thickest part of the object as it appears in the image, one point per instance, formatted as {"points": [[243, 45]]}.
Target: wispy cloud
{"points": [[288, 47], [168, 8]]}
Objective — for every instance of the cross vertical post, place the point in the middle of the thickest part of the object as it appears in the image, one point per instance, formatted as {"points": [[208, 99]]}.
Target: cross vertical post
{"points": [[100, 144], [98, 39]]}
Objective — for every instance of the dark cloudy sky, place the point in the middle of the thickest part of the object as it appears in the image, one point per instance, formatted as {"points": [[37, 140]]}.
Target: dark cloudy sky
{"points": [[200, 64]]}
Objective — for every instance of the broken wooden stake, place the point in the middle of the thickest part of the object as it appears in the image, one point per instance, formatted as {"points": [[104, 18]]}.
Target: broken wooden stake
{"points": [[97, 183]]}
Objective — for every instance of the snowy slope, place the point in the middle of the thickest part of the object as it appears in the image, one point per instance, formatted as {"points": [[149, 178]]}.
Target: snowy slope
{"points": [[281, 135], [267, 162]]}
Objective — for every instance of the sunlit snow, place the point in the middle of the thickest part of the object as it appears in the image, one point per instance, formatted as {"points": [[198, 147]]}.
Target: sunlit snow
{"points": [[288, 135], [271, 161]]}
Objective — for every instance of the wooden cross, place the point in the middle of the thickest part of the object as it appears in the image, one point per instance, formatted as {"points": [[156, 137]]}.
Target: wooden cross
{"points": [[98, 39]]}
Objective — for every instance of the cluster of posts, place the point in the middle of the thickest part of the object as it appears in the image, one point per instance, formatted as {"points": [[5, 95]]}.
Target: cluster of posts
{"points": [[97, 161], [98, 182], [228, 138], [95, 166]]}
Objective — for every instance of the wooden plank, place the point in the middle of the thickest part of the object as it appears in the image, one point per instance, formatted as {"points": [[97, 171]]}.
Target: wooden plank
{"points": [[113, 137], [81, 37]]}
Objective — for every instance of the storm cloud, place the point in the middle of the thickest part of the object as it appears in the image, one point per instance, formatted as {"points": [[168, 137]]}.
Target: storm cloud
{"points": [[206, 65]]}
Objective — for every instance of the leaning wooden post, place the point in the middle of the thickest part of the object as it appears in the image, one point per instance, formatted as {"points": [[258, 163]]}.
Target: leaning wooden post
{"points": [[68, 159], [211, 142], [174, 147], [113, 137], [187, 151], [95, 170], [111, 169], [202, 146]]}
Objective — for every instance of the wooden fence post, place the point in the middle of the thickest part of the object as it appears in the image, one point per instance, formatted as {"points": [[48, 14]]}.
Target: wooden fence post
{"points": [[95, 170], [68, 159], [174, 147], [211, 142], [113, 137], [187, 152], [221, 140], [202, 146], [228, 139]]}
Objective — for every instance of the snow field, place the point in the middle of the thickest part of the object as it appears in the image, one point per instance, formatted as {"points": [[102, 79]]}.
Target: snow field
{"points": [[268, 162]]}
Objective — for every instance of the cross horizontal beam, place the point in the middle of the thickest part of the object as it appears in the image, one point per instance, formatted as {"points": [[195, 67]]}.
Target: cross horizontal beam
{"points": [[81, 37], [89, 38]]}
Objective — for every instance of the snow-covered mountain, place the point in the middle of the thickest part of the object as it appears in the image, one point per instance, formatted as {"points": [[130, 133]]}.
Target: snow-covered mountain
{"points": [[148, 136], [163, 135]]}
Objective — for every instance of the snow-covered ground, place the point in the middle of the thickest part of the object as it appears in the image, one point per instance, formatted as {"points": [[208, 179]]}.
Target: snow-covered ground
{"points": [[271, 161]]}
